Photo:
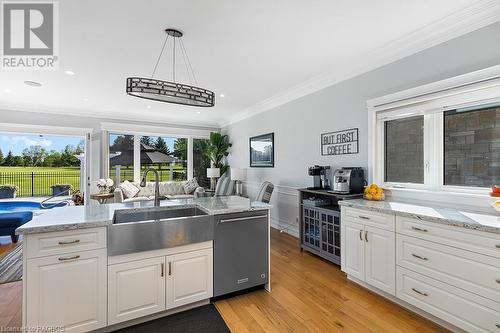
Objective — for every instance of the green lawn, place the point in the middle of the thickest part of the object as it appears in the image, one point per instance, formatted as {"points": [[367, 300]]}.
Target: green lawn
{"points": [[36, 181]]}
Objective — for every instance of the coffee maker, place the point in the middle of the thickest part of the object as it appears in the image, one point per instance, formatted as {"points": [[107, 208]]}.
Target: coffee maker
{"points": [[320, 177], [348, 181]]}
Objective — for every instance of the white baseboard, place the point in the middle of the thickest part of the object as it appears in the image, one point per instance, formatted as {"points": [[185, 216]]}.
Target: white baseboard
{"points": [[285, 226]]}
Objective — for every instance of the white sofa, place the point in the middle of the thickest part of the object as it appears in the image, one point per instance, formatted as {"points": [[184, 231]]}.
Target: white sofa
{"points": [[170, 190]]}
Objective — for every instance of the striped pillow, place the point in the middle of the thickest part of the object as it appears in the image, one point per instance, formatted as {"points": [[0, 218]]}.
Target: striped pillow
{"points": [[265, 192], [225, 186]]}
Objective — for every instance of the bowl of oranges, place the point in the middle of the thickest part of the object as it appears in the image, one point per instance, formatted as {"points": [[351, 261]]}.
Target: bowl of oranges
{"points": [[374, 192]]}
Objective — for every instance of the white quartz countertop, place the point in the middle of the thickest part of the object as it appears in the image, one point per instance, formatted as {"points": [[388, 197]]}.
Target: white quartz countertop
{"points": [[79, 217], [478, 220]]}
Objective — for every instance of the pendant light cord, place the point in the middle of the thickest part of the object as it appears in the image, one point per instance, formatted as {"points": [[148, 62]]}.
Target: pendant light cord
{"points": [[173, 63], [189, 62], [159, 57]]}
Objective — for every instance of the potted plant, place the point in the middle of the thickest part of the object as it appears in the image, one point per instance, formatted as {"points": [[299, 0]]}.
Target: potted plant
{"points": [[61, 189], [217, 150], [8, 191]]}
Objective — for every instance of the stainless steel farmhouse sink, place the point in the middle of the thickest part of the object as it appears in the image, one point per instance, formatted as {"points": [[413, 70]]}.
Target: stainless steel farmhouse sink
{"points": [[146, 229]]}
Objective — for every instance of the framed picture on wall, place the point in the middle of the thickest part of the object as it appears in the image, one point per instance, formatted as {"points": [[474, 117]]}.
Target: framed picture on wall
{"points": [[262, 151]]}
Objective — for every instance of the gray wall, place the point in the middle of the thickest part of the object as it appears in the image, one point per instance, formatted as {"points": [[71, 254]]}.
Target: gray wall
{"points": [[297, 125]]}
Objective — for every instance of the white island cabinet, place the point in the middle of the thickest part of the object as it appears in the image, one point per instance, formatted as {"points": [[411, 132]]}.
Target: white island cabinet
{"points": [[146, 283], [446, 270], [66, 289]]}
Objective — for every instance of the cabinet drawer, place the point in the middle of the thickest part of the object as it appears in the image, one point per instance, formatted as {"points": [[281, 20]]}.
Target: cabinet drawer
{"points": [[463, 309], [374, 219], [474, 272], [463, 238], [52, 243]]}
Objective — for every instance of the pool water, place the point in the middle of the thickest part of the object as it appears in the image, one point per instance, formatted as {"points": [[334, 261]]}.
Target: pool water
{"points": [[23, 206]]}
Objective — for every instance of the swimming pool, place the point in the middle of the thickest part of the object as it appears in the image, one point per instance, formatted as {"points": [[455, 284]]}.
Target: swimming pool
{"points": [[23, 206]]}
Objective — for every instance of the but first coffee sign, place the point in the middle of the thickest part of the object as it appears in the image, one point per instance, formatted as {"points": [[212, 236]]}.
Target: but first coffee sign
{"points": [[340, 142]]}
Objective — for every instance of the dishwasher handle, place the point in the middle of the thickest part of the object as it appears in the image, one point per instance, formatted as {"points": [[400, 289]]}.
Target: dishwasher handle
{"points": [[242, 218]]}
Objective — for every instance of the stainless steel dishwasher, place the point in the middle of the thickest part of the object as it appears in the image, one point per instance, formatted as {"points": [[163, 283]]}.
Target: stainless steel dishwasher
{"points": [[241, 251]]}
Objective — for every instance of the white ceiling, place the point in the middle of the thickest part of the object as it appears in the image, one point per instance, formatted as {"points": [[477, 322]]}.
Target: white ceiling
{"points": [[250, 51]]}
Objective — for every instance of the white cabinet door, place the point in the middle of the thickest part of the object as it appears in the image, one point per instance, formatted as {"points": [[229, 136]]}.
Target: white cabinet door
{"points": [[380, 257], [136, 289], [190, 277], [67, 291], [354, 248]]}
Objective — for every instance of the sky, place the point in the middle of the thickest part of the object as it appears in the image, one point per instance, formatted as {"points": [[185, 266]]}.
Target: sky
{"points": [[18, 142]]}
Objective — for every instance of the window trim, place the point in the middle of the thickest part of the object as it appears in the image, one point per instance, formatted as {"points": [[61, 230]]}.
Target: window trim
{"points": [[432, 100], [145, 130]]}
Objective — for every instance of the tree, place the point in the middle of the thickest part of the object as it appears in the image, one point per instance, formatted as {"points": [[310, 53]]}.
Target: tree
{"points": [[34, 155], [68, 156], [122, 143], [180, 149], [18, 161], [1, 157], [161, 146], [146, 140], [80, 148], [9, 159]]}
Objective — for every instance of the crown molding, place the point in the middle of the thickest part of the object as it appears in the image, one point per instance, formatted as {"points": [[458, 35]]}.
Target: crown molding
{"points": [[478, 15]]}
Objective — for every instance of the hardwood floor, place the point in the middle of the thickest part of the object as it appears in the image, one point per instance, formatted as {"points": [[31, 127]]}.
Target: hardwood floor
{"points": [[308, 295], [10, 296]]}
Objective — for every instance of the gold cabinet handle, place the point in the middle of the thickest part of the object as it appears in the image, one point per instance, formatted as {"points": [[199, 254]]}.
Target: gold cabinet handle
{"points": [[497, 246], [69, 242], [366, 235], [419, 292], [361, 235], [498, 325], [419, 229], [162, 269], [363, 217], [169, 268], [69, 258], [419, 257], [498, 280]]}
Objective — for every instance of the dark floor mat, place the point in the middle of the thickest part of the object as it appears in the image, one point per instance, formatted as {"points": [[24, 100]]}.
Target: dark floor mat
{"points": [[204, 319]]}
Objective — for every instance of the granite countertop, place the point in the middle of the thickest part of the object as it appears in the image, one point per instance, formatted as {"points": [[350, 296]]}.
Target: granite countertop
{"points": [[482, 220], [79, 217]]}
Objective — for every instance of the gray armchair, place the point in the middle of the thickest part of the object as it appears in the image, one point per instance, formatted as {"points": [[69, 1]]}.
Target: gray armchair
{"points": [[225, 186], [265, 192]]}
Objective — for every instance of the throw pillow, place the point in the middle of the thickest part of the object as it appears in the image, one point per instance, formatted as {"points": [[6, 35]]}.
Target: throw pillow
{"points": [[190, 186], [128, 189]]}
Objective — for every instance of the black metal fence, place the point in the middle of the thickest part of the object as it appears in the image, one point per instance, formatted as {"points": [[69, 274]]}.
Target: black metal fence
{"points": [[38, 184]]}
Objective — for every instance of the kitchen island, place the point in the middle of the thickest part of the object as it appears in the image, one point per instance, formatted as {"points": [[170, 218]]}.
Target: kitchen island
{"points": [[109, 266]]}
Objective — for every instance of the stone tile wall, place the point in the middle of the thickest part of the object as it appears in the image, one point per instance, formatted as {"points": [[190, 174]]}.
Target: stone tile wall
{"points": [[404, 154], [472, 148]]}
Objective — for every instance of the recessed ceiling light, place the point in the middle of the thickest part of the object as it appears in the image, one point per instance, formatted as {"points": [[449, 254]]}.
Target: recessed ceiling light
{"points": [[69, 72], [198, 112], [7, 91], [222, 96], [149, 106], [33, 83], [85, 99]]}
